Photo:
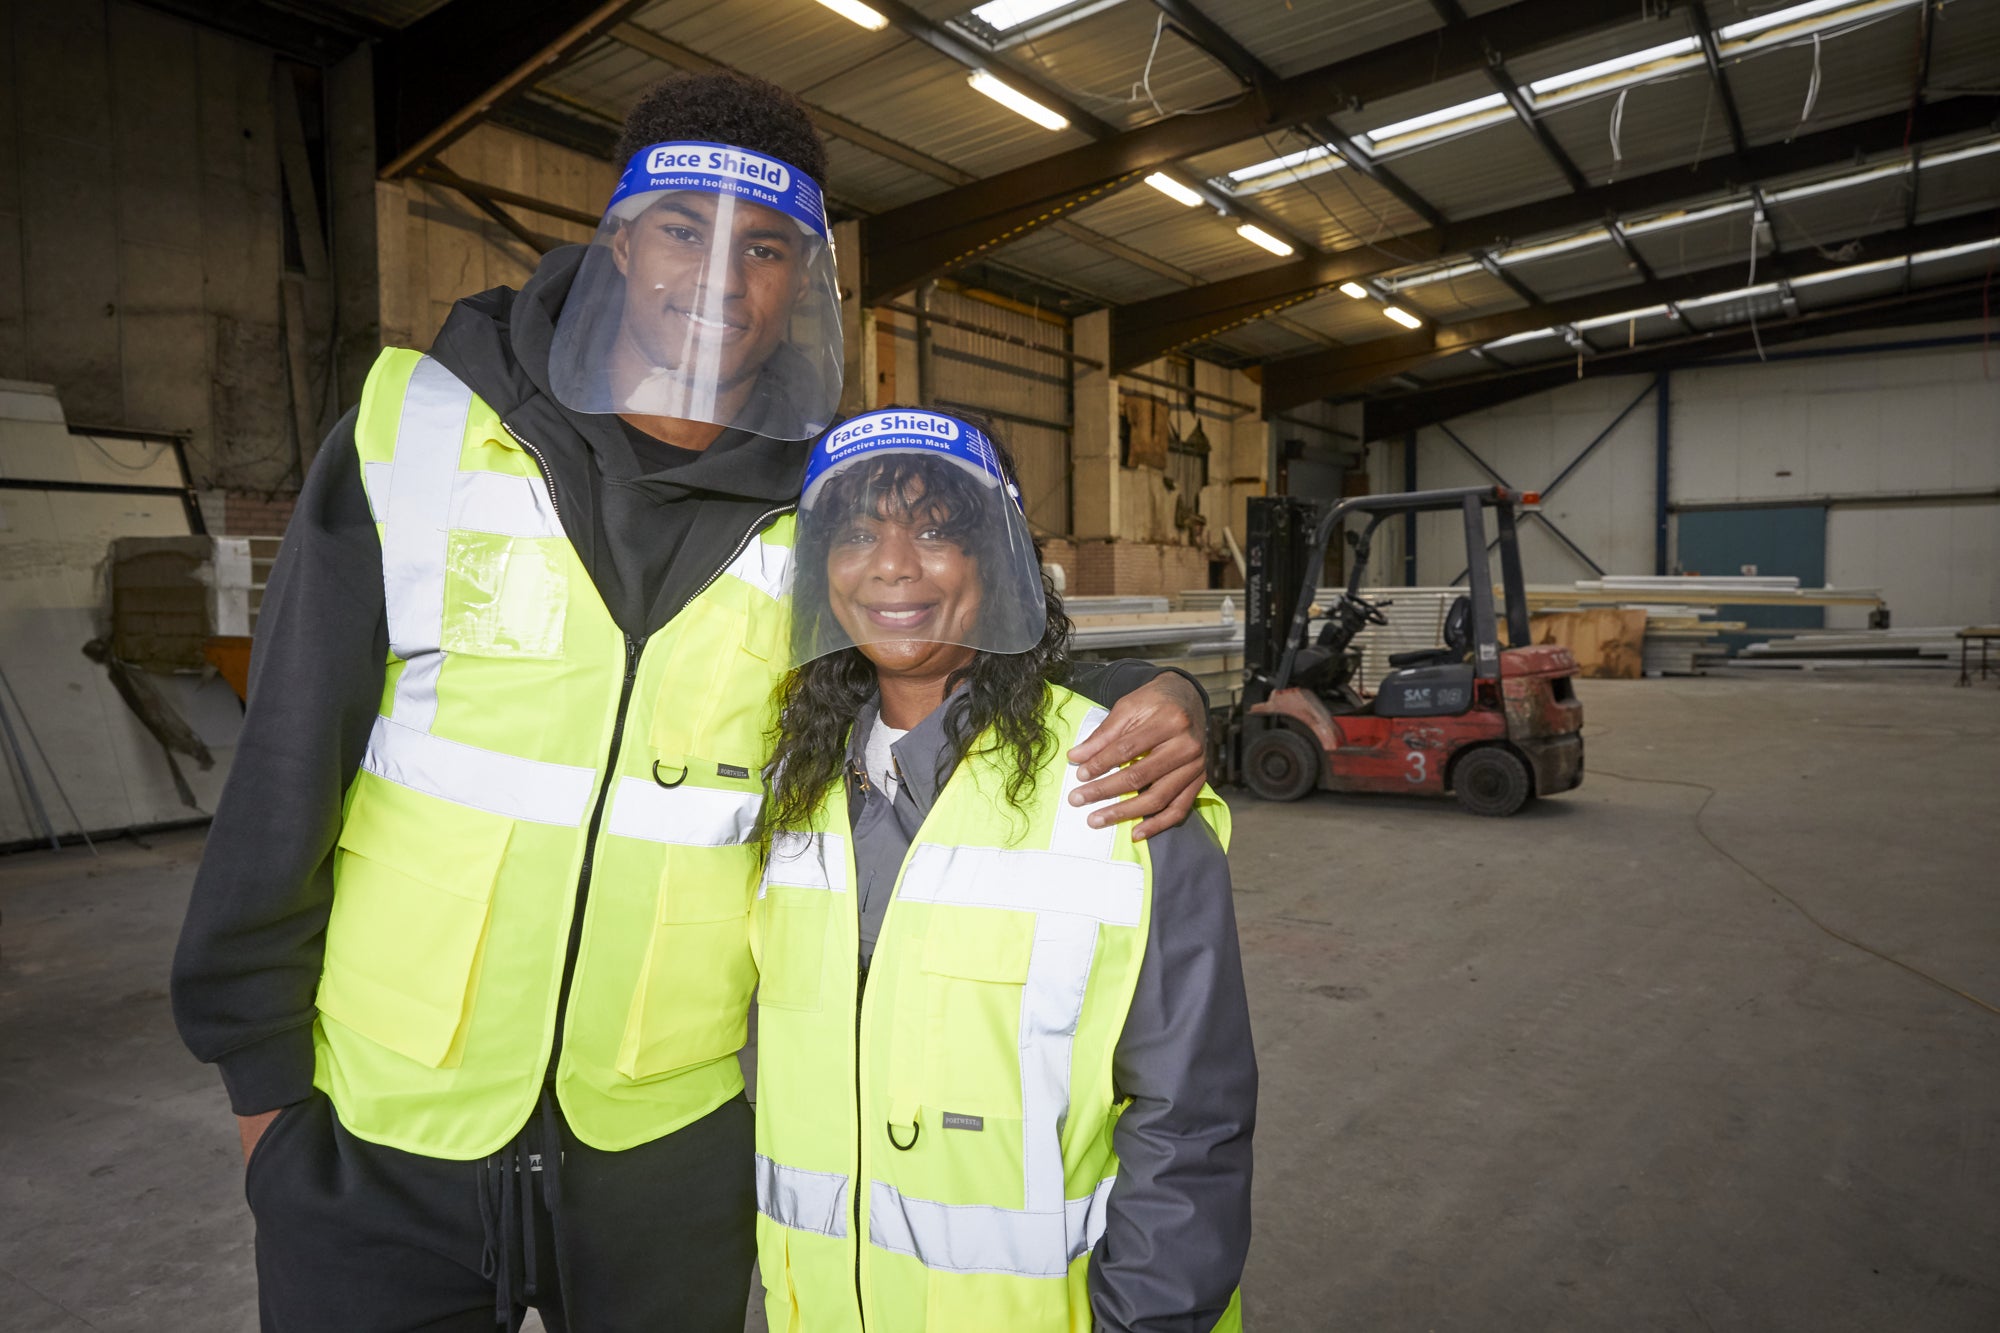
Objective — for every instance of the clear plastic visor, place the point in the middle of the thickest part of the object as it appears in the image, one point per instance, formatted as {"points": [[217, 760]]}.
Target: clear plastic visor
{"points": [[900, 551], [704, 306]]}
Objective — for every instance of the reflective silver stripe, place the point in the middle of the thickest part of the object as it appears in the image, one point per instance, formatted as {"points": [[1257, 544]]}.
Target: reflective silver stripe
{"points": [[765, 566], [480, 501], [976, 1238], [683, 816], [504, 784], [807, 861], [1074, 889], [429, 438], [1025, 881], [376, 479], [803, 1200], [498, 503], [1051, 1006]]}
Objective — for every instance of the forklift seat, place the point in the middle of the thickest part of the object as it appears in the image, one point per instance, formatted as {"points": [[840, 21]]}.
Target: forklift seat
{"points": [[1457, 640]]}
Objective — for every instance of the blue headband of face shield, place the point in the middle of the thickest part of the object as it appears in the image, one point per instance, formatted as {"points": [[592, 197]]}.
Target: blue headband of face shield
{"points": [[905, 430]]}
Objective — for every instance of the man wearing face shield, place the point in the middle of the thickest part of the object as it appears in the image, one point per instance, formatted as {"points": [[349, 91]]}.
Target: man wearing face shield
{"points": [[469, 942]]}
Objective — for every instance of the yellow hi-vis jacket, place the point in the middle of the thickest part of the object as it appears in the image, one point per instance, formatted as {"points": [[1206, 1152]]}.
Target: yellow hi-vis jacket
{"points": [[946, 1162], [523, 742]]}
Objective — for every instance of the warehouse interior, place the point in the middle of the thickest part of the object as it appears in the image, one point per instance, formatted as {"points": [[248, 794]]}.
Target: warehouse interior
{"points": [[1701, 290]]}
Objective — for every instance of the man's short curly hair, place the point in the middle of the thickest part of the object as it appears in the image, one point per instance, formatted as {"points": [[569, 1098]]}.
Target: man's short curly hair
{"points": [[725, 107]]}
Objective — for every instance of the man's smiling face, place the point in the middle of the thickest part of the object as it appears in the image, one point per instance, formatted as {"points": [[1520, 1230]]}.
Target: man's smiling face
{"points": [[702, 290]]}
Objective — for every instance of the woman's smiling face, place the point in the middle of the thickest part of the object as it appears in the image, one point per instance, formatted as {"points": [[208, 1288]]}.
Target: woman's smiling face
{"points": [[903, 586]]}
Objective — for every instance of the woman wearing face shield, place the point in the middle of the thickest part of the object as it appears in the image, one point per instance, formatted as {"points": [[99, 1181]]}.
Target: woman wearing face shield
{"points": [[1005, 1075]]}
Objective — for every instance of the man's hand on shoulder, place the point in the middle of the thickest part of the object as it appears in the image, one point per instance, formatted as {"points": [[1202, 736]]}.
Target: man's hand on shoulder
{"points": [[1153, 746]]}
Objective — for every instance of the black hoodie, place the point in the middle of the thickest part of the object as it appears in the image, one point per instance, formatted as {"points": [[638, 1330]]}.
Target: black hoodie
{"points": [[652, 524]]}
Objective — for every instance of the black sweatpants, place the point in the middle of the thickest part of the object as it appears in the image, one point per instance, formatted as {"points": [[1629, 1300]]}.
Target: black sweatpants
{"points": [[353, 1237]]}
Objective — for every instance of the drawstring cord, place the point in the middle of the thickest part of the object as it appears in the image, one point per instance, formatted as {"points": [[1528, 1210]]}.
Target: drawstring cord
{"points": [[507, 1185]]}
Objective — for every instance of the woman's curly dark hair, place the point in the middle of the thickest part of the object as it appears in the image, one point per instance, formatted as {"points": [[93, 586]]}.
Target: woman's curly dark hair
{"points": [[730, 108], [1006, 692]]}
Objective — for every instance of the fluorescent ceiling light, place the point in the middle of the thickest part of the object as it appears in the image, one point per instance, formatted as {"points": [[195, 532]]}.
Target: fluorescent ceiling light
{"points": [[1354, 289], [1017, 101], [1258, 236], [1883, 172], [856, 12], [1561, 245], [1173, 189], [1000, 15], [1305, 163], [1402, 316], [1851, 271]]}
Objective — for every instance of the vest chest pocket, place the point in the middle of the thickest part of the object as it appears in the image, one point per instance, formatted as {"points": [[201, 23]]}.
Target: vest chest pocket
{"points": [[505, 596], [792, 930], [692, 1001], [713, 699], [975, 962], [413, 887]]}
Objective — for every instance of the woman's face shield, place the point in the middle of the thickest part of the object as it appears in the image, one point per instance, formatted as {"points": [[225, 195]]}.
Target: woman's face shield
{"points": [[909, 534], [708, 295]]}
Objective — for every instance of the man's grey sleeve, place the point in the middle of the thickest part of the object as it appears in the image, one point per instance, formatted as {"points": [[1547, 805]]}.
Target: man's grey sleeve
{"points": [[247, 970], [1178, 1228]]}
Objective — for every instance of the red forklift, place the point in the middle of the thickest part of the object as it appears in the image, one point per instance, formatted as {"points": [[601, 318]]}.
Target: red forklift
{"points": [[1495, 727]]}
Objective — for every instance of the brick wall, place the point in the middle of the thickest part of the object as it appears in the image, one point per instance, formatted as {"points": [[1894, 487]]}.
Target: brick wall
{"points": [[253, 514], [1137, 569]]}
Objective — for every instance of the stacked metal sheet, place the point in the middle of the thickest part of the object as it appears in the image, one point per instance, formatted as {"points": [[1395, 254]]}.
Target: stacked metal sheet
{"points": [[1930, 646]]}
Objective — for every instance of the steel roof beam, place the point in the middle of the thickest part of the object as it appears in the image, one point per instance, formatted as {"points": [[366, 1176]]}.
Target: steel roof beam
{"points": [[928, 237], [1143, 330], [1508, 87], [1390, 417], [437, 78], [1293, 381], [1212, 38], [1717, 77]]}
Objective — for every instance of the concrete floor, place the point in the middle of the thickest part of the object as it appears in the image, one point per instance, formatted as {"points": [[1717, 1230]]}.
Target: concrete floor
{"points": [[1577, 1070]]}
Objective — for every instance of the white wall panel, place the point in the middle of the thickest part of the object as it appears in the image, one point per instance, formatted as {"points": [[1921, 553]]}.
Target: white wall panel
{"points": [[1871, 424]]}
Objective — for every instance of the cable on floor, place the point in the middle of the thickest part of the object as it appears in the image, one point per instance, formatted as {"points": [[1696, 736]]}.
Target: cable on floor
{"points": [[1794, 903]]}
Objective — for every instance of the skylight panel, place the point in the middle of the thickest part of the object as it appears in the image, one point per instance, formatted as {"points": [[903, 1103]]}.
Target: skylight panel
{"points": [[1003, 15], [1305, 163], [1618, 72], [1624, 317], [1831, 13], [1434, 125]]}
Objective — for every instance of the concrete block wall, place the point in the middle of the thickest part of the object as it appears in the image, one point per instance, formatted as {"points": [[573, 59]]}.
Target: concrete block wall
{"points": [[142, 264]]}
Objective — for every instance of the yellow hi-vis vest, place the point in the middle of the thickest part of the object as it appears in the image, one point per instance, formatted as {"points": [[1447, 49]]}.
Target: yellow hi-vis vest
{"points": [[963, 1127], [523, 738]]}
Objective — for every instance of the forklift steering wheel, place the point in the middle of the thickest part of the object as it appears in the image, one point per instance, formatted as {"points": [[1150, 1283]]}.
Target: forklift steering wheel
{"points": [[1372, 611]]}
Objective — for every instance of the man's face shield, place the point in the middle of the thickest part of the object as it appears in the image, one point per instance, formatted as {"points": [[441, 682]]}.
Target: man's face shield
{"points": [[910, 533], [708, 294]]}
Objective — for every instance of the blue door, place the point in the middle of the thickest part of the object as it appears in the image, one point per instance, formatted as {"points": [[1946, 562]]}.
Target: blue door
{"points": [[1728, 542]]}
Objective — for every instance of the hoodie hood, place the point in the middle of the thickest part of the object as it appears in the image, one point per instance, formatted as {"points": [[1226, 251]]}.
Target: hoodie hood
{"points": [[498, 343], [651, 535]]}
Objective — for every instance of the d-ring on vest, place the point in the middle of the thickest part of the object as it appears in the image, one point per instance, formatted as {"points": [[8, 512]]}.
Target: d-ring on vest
{"points": [[516, 722]]}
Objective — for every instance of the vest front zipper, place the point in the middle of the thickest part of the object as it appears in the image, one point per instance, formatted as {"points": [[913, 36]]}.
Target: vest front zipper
{"points": [[633, 647]]}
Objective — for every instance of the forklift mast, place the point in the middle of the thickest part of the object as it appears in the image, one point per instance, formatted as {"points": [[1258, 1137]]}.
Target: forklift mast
{"points": [[1289, 537], [1278, 568]]}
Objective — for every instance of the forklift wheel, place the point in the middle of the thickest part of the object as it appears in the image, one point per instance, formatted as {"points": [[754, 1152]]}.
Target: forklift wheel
{"points": [[1280, 765], [1492, 781]]}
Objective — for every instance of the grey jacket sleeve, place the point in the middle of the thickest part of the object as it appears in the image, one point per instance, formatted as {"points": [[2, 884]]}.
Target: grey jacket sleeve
{"points": [[1178, 1228], [247, 970], [1108, 682]]}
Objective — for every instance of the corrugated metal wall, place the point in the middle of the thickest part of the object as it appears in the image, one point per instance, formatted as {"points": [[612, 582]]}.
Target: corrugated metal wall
{"points": [[1026, 392], [1851, 431]]}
